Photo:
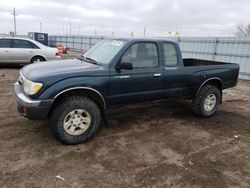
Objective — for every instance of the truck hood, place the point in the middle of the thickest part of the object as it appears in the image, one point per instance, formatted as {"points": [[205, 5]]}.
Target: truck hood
{"points": [[59, 69]]}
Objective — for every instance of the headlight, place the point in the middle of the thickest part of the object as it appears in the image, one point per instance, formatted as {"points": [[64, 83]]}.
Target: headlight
{"points": [[31, 88]]}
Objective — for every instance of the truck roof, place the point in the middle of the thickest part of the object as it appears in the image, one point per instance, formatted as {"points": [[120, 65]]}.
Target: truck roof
{"points": [[142, 39]]}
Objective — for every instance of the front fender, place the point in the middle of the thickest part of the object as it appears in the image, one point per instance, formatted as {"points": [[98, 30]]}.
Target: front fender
{"points": [[98, 83]]}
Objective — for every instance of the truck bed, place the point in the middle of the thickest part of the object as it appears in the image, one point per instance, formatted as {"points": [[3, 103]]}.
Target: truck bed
{"points": [[200, 62], [198, 70]]}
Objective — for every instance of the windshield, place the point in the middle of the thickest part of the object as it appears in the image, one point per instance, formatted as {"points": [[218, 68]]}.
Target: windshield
{"points": [[104, 51]]}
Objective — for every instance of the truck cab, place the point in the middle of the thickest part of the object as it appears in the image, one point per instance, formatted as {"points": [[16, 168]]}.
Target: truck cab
{"points": [[145, 79]]}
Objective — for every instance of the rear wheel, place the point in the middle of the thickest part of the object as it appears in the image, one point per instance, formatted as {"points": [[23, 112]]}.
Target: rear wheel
{"points": [[37, 59], [75, 120], [206, 103]]}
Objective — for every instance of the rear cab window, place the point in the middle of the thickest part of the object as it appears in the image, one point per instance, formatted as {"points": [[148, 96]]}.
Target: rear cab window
{"points": [[5, 43], [170, 58]]}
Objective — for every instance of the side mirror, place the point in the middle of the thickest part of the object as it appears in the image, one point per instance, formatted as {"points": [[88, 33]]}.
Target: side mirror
{"points": [[124, 65]]}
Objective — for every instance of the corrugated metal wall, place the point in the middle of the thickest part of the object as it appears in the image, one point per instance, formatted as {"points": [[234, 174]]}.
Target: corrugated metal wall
{"points": [[227, 49]]}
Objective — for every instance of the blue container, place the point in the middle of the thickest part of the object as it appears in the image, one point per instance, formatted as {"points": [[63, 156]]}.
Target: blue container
{"points": [[43, 38]]}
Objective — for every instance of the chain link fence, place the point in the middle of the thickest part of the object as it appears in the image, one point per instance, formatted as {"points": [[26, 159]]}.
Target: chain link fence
{"points": [[75, 43]]}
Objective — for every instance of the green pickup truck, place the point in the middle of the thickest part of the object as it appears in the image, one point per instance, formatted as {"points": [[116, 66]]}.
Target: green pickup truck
{"points": [[74, 94]]}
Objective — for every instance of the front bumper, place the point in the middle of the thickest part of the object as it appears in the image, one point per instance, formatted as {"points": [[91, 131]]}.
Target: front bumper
{"points": [[29, 108]]}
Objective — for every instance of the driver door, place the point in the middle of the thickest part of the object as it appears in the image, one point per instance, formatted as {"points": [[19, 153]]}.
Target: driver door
{"points": [[144, 82]]}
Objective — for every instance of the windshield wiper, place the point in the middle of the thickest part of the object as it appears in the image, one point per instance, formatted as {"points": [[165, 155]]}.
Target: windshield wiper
{"points": [[89, 60], [92, 60]]}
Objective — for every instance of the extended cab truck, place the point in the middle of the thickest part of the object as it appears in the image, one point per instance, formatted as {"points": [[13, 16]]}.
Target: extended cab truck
{"points": [[74, 94]]}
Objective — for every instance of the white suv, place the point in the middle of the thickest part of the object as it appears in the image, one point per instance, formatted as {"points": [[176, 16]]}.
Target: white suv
{"points": [[24, 51]]}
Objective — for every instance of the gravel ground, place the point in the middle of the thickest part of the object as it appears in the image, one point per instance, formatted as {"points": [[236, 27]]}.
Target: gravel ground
{"points": [[159, 144]]}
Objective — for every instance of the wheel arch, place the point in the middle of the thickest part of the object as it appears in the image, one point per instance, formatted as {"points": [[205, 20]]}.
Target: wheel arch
{"points": [[215, 81], [91, 93], [37, 55]]}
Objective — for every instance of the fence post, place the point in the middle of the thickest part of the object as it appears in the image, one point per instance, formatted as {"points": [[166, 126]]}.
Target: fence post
{"points": [[81, 50], [90, 42], [66, 41], [215, 48], [178, 40]]}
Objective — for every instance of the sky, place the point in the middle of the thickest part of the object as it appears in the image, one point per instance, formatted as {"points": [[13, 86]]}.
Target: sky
{"points": [[124, 17]]}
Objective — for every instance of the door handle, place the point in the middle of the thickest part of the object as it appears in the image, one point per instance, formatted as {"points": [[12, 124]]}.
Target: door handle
{"points": [[157, 75], [6, 51]]}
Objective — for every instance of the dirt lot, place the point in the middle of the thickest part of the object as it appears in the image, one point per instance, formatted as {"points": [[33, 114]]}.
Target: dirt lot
{"points": [[159, 144]]}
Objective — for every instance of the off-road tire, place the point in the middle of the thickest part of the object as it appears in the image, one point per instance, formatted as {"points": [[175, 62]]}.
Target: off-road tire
{"points": [[66, 105], [199, 100]]}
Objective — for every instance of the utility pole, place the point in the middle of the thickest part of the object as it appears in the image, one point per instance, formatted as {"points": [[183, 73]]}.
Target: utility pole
{"points": [[69, 28], [68, 23], [66, 28], [144, 31], [14, 14], [40, 27]]}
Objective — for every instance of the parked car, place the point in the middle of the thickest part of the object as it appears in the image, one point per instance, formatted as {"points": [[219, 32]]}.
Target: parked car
{"points": [[75, 94], [15, 50]]}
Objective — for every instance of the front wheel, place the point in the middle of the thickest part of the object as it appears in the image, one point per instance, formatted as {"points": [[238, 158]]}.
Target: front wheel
{"points": [[75, 120], [206, 103]]}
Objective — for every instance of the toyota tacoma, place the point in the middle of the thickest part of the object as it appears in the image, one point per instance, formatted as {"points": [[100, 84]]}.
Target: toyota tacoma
{"points": [[74, 94]]}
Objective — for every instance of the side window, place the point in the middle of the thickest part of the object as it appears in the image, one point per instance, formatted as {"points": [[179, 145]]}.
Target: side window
{"points": [[169, 55], [142, 55], [5, 43], [22, 44], [34, 46]]}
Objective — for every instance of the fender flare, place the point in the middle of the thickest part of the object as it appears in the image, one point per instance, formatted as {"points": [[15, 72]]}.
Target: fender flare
{"points": [[206, 81], [82, 88]]}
